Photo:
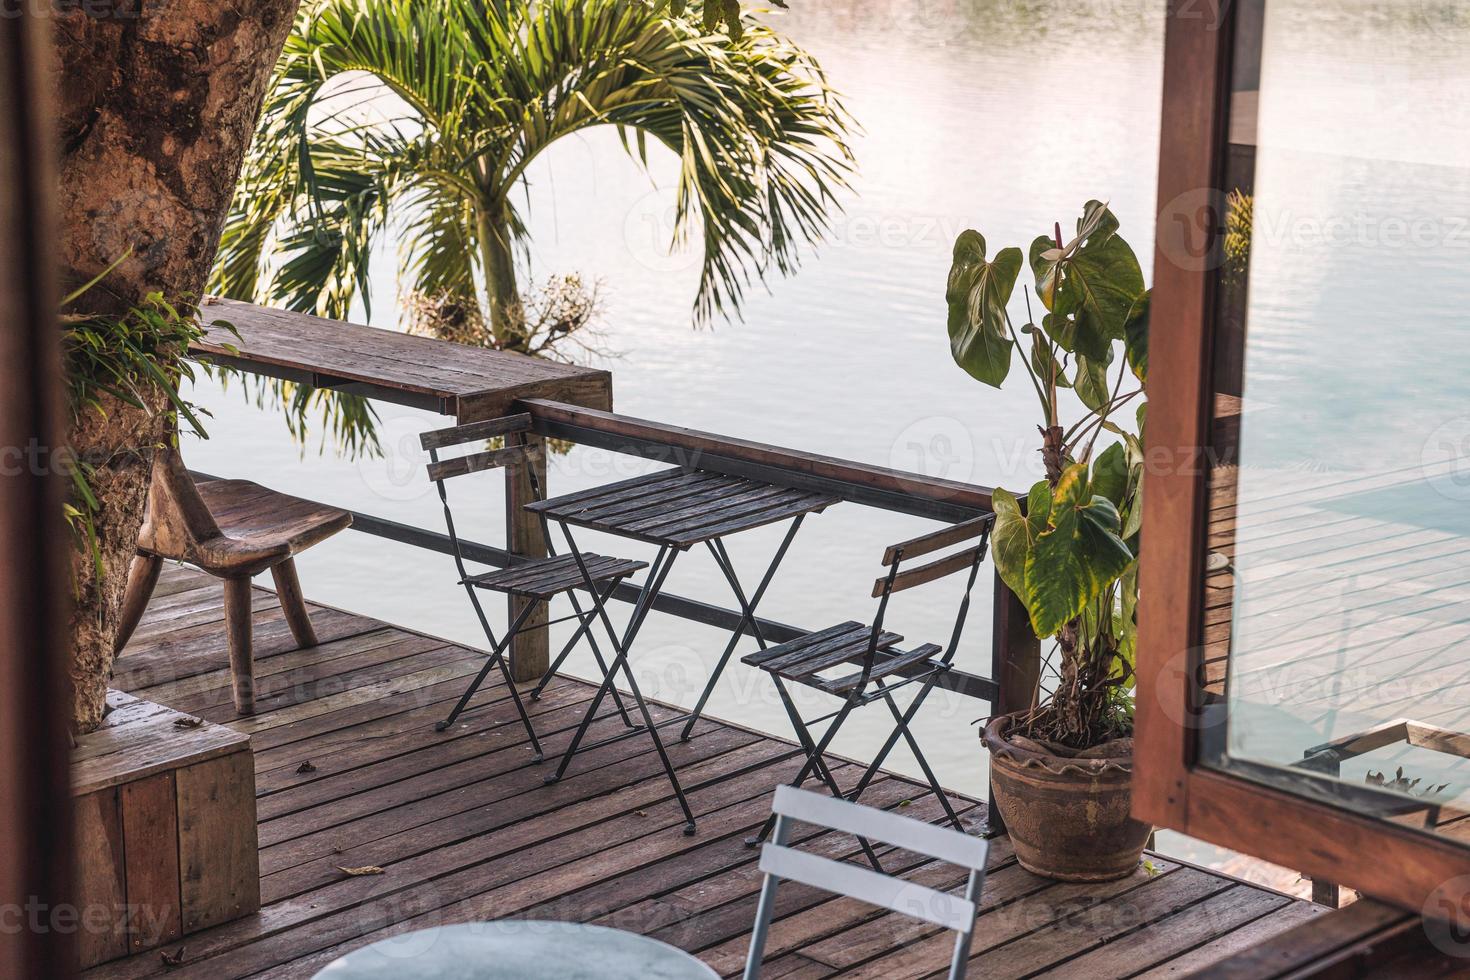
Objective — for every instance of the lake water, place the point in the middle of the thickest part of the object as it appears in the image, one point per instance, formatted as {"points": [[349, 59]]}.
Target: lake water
{"points": [[1003, 116]]}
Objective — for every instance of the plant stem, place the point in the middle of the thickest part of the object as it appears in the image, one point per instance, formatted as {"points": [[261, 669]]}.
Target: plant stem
{"points": [[1026, 363], [1112, 404]]}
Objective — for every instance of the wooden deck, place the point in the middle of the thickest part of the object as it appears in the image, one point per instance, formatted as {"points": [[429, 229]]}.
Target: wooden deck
{"points": [[350, 774]]}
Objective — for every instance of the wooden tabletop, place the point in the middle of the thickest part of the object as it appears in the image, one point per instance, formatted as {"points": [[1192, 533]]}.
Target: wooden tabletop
{"points": [[467, 383], [679, 508]]}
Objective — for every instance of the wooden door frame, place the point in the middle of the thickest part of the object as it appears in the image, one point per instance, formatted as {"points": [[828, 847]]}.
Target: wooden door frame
{"points": [[35, 804], [1413, 870]]}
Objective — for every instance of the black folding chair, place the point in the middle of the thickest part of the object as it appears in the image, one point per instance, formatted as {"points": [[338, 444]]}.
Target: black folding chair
{"points": [[536, 580], [824, 661]]}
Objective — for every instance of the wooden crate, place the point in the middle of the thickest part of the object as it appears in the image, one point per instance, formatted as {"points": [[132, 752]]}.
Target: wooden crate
{"points": [[165, 840]]}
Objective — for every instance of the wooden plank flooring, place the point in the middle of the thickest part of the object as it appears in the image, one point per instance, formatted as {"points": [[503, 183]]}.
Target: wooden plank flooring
{"points": [[350, 773]]}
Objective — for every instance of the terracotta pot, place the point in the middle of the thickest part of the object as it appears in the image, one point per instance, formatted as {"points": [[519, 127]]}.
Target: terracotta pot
{"points": [[1067, 818]]}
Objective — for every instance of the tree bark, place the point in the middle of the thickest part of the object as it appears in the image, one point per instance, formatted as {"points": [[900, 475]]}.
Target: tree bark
{"points": [[158, 102], [502, 295]]}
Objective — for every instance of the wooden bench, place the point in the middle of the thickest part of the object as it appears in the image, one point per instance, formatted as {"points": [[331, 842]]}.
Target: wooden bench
{"points": [[165, 841]]}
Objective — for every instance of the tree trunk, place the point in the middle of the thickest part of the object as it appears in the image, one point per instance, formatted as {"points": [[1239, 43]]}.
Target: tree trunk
{"points": [[158, 102], [503, 298]]}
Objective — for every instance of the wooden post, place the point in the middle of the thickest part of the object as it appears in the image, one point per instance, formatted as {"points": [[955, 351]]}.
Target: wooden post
{"points": [[530, 651], [35, 804], [1015, 666]]}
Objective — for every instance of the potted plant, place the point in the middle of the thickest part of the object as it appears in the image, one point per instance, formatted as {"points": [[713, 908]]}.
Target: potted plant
{"points": [[1068, 547]]}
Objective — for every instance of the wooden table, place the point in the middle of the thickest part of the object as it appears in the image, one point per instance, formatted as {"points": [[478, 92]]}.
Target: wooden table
{"points": [[469, 384], [677, 509]]}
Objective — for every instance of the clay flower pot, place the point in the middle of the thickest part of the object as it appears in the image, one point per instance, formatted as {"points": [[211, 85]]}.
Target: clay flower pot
{"points": [[1067, 816]]}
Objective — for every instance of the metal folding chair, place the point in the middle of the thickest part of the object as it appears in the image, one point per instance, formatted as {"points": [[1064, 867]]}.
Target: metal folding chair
{"points": [[824, 661], [537, 580], [780, 862]]}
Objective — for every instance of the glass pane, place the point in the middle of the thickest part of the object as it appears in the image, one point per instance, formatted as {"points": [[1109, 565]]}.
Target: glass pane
{"points": [[1338, 588]]}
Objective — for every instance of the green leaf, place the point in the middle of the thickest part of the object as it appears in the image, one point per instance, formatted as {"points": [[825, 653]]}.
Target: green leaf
{"points": [[1043, 361], [1097, 222], [977, 295], [1104, 281], [1077, 557], [1092, 382], [1014, 536], [1110, 474], [1095, 277], [1135, 337], [1046, 259], [1128, 620], [1133, 520]]}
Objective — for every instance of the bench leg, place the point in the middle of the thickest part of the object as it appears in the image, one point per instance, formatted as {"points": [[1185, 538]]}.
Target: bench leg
{"points": [[293, 603], [142, 578], [242, 659]]}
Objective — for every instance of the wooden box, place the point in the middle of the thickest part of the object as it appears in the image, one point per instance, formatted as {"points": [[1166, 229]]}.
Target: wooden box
{"points": [[165, 840]]}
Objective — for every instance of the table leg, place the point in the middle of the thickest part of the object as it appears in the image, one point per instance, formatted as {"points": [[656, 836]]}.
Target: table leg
{"points": [[747, 615], [656, 577]]}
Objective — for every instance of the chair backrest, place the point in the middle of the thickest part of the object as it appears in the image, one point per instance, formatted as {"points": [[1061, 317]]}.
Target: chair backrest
{"points": [[177, 519], [517, 452], [782, 863], [967, 559], [927, 544]]}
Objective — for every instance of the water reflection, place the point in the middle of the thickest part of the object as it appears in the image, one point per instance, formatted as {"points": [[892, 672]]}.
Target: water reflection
{"points": [[1345, 603]]}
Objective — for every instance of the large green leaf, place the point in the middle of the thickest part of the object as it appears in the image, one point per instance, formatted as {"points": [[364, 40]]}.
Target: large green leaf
{"points": [[1135, 337], [1110, 474], [1046, 257], [1043, 359], [977, 295], [1095, 279], [1092, 382], [1015, 535], [1077, 557]]}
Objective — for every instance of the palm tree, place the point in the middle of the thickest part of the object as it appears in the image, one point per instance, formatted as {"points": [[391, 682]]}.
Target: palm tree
{"points": [[485, 86]]}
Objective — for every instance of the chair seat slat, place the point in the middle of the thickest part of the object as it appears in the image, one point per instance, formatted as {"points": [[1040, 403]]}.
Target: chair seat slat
{"points": [[885, 664], [761, 657], [542, 579]]}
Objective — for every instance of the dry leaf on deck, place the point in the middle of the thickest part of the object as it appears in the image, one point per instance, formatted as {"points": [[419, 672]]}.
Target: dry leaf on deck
{"points": [[370, 869], [188, 722], [173, 959], [306, 767]]}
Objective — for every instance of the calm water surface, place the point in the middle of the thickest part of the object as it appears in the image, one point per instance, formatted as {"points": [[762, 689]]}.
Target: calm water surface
{"points": [[1001, 116]]}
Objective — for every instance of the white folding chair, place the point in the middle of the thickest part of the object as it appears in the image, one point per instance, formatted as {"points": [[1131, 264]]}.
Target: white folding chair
{"points": [[780, 862]]}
